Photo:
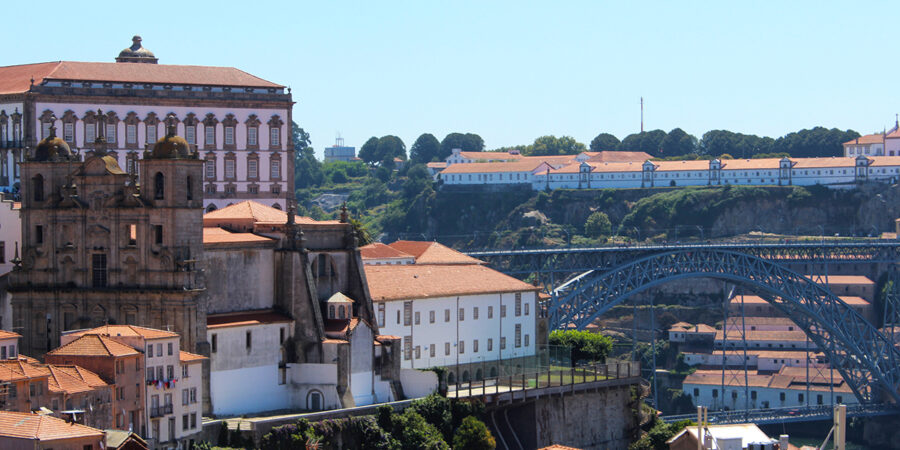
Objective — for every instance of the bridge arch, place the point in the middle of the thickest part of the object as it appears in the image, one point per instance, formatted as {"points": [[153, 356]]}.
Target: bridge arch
{"points": [[865, 358]]}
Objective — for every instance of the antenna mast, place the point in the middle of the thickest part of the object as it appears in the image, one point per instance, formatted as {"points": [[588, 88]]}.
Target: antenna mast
{"points": [[642, 114]]}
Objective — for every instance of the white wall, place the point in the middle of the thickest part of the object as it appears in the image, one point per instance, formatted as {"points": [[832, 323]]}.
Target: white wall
{"points": [[442, 331], [418, 383], [248, 390], [10, 234], [763, 395]]}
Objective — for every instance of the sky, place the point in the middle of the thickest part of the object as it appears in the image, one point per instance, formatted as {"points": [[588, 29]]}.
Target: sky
{"points": [[511, 71]]}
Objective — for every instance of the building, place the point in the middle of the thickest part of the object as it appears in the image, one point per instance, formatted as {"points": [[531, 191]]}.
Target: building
{"points": [[454, 312], [97, 247], [756, 306], [339, 152], [10, 232], [868, 145], [759, 360], [278, 322], [239, 123], [169, 395], [377, 253], [27, 431], [726, 437]]}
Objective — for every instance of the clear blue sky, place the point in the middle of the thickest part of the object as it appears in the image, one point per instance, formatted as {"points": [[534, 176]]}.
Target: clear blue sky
{"points": [[512, 71]]}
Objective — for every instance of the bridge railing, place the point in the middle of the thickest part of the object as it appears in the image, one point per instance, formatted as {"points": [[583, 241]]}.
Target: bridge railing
{"points": [[552, 376], [799, 413]]}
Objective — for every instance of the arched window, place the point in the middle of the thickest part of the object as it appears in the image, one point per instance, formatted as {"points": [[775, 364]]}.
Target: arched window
{"points": [[37, 186], [341, 314], [159, 190], [211, 208], [331, 311], [190, 188], [314, 401]]}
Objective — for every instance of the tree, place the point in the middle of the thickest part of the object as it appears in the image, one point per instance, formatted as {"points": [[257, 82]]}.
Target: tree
{"points": [[604, 141], [417, 178], [390, 147], [552, 145], [307, 169], [678, 143], [468, 142], [426, 149], [597, 225], [584, 344], [368, 152], [647, 141], [412, 432], [473, 434]]}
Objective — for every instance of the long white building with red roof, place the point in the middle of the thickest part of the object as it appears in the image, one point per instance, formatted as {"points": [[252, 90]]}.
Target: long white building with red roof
{"points": [[240, 123]]}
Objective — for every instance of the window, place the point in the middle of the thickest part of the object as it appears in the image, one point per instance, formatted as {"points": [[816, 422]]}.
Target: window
{"points": [[45, 129], [170, 372], [193, 395], [229, 168], [157, 234], [251, 136], [462, 314], [715, 393], [526, 308], [276, 169], [752, 395], [98, 270], [800, 398], [819, 399], [407, 313], [490, 344], [407, 347], [275, 137], [475, 313], [462, 347], [210, 138], [184, 371], [90, 133], [502, 342], [159, 186], [527, 339], [210, 167], [475, 346], [150, 374], [171, 347], [111, 133], [2, 252], [696, 392], [151, 133], [252, 168], [190, 134], [213, 342], [502, 311], [381, 314], [417, 318], [518, 338], [446, 315], [248, 340], [131, 134], [184, 396], [37, 187], [69, 132], [418, 352], [490, 312], [189, 188], [518, 304], [184, 422], [281, 335], [229, 135], [431, 350], [430, 313], [193, 420]]}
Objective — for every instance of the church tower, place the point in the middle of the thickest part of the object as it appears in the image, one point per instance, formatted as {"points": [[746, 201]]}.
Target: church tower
{"points": [[99, 248]]}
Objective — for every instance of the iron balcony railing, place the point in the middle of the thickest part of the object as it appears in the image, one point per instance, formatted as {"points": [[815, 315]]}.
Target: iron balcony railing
{"points": [[158, 411]]}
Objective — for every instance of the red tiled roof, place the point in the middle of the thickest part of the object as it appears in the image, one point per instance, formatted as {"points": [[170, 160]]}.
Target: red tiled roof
{"points": [[9, 335], [71, 380], [216, 235], [764, 335], [20, 369], [867, 139], [248, 210], [616, 156], [17, 79], [881, 161], [245, 318], [525, 165], [412, 281], [428, 252], [94, 345], [674, 166], [127, 330], [42, 427], [377, 250], [604, 167], [188, 357]]}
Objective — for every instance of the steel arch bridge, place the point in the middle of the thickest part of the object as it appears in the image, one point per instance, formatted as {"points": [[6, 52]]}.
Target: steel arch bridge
{"points": [[864, 357]]}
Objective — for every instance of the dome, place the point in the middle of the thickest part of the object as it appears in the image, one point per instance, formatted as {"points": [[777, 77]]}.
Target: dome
{"points": [[171, 147], [52, 148], [136, 53]]}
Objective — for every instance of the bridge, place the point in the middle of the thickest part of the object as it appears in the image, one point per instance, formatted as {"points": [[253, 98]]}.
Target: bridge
{"points": [[598, 279], [785, 415]]}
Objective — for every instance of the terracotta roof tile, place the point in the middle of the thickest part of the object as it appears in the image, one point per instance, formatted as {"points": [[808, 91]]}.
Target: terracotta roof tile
{"points": [[94, 345], [245, 318], [9, 335], [127, 330], [21, 369], [42, 427], [765, 335], [527, 165], [491, 156], [427, 252], [616, 156], [881, 161], [377, 250], [844, 279], [605, 167], [216, 235], [188, 357], [71, 380], [412, 281], [823, 163], [247, 210], [867, 139], [17, 79], [674, 166]]}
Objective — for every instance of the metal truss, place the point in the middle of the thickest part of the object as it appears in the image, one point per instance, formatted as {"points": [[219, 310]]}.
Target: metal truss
{"points": [[558, 262], [861, 354]]}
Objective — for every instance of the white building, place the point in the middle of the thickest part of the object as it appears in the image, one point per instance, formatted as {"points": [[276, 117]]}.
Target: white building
{"points": [[784, 389], [241, 124], [454, 312], [9, 342], [868, 145], [173, 389], [339, 152]]}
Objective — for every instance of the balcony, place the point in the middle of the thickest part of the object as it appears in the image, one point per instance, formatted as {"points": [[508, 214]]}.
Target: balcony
{"points": [[159, 411]]}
